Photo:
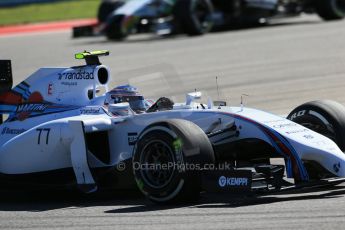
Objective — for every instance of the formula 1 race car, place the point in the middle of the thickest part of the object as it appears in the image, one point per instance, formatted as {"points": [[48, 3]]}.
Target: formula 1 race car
{"points": [[59, 132], [119, 18]]}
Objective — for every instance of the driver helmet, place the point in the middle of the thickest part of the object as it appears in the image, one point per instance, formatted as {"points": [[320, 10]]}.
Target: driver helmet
{"points": [[129, 94]]}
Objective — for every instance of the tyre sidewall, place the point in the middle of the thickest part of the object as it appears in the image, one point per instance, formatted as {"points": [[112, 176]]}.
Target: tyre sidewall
{"points": [[186, 19], [329, 9], [324, 113]]}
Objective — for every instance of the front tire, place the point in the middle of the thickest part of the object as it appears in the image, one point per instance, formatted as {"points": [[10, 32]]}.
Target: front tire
{"points": [[330, 9], [168, 158], [325, 117]]}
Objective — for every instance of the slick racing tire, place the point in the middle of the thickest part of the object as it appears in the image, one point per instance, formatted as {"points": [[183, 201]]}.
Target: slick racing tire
{"points": [[194, 17], [325, 117], [330, 9], [115, 30], [106, 8], [167, 161]]}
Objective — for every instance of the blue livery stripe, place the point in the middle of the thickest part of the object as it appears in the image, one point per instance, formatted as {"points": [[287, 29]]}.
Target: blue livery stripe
{"points": [[289, 164]]}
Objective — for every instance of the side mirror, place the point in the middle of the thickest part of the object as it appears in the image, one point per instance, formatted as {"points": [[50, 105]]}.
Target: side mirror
{"points": [[190, 97], [219, 103]]}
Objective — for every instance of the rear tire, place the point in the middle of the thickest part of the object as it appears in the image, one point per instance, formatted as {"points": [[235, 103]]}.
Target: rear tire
{"points": [[194, 17], [325, 117], [180, 144], [330, 9]]}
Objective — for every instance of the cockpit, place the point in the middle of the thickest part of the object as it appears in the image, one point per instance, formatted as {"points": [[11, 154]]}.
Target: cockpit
{"points": [[129, 94]]}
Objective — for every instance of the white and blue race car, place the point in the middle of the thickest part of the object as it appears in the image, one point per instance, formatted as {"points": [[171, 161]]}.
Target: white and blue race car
{"points": [[58, 132]]}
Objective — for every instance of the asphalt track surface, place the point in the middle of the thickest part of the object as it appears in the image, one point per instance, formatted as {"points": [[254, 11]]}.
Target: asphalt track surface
{"points": [[278, 66]]}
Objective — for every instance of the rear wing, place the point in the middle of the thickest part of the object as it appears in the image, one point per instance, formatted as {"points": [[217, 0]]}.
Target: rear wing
{"points": [[91, 58], [6, 79]]}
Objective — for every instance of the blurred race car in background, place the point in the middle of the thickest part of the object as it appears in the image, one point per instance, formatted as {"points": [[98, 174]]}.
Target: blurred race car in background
{"points": [[119, 18]]}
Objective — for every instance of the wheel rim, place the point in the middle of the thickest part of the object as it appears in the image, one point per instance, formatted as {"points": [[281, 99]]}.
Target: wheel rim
{"points": [[156, 159], [339, 6], [203, 14]]}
